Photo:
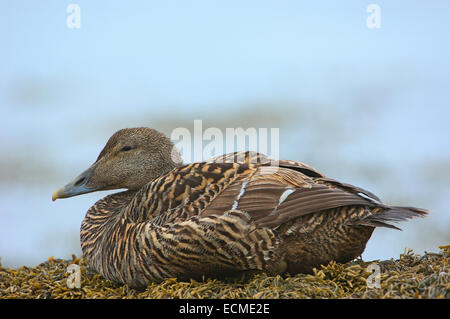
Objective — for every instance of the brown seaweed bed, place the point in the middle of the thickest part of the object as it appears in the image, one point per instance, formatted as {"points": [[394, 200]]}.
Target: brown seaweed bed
{"points": [[410, 276]]}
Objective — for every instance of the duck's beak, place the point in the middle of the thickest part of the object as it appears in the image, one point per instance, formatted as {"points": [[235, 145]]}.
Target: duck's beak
{"points": [[77, 186]]}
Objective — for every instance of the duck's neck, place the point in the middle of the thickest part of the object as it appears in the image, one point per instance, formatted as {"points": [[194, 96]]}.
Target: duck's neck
{"points": [[100, 221]]}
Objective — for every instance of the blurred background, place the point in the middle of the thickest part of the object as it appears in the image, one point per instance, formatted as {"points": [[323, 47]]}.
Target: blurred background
{"points": [[367, 106]]}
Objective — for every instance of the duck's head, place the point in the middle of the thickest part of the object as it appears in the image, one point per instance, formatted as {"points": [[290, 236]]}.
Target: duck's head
{"points": [[131, 158]]}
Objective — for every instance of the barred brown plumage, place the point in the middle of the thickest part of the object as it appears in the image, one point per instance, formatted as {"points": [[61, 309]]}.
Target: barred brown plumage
{"points": [[234, 213]]}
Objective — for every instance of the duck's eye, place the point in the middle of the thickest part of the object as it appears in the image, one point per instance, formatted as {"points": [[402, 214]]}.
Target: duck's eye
{"points": [[125, 148]]}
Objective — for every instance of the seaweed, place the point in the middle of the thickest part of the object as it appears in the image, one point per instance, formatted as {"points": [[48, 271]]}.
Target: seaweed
{"points": [[410, 276]]}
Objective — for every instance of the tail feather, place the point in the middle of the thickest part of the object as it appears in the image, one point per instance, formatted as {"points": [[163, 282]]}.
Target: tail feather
{"points": [[389, 214]]}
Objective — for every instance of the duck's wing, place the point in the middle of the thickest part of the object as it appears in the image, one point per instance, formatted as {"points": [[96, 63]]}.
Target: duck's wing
{"points": [[251, 157], [246, 157], [271, 195], [286, 190], [259, 159], [275, 195]]}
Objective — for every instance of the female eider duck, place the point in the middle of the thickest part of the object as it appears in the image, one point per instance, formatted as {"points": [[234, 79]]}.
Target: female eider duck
{"points": [[234, 213]]}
